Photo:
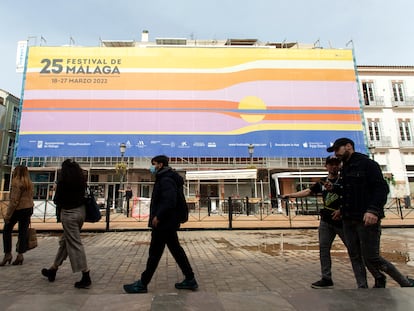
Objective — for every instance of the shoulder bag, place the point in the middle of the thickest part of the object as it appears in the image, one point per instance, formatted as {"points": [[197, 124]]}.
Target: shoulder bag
{"points": [[93, 213]]}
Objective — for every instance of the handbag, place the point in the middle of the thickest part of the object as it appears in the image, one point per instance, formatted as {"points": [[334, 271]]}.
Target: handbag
{"points": [[93, 213], [31, 239]]}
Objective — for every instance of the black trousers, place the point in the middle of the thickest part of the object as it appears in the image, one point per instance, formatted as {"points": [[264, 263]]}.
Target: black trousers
{"points": [[21, 216], [160, 238]]}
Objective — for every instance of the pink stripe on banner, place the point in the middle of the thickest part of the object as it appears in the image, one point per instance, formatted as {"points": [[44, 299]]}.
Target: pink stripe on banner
{"points": [[273, 93], [130, 122], [142, 122]]}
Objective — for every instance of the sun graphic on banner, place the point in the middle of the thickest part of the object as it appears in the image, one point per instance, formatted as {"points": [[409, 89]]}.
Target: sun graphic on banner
{"points": [[252, 103]]}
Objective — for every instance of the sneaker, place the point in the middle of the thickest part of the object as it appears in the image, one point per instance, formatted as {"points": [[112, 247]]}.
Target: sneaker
{"points": [[136, 288], [187, 284], [380, 282], [323, 283], [411, 281]]}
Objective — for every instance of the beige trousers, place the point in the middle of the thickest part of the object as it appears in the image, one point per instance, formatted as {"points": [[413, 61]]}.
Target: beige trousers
{"points": [[70, 244]]}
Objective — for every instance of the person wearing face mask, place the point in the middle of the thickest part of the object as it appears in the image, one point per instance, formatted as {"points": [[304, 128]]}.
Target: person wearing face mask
{"points": [[364, 193], [164, 223]]}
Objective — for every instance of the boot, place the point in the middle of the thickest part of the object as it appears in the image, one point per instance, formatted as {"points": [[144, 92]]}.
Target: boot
{"points": [[49, 273], [19, 260], [85, 282], [7, 259]]}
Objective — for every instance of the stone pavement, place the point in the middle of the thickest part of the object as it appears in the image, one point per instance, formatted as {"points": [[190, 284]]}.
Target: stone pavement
{"points": [[235, 269]]}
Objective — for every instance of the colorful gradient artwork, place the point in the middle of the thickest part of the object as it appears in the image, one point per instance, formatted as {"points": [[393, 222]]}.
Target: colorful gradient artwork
{"points": [[188, 101]]}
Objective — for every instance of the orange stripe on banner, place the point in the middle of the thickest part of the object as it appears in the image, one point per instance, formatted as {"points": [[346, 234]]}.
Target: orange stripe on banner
{"points": [[125, 104], [180, 81], [310, 117], [300, 117]]}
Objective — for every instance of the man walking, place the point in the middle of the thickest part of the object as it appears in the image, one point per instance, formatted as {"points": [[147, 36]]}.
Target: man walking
{"points": [[164, 222], [364, 194], [328, 227]]}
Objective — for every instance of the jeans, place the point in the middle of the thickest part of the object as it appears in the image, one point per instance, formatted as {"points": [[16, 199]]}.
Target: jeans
{"points": [[160, 238], [21, 216], [364, 244], [327, 233]]}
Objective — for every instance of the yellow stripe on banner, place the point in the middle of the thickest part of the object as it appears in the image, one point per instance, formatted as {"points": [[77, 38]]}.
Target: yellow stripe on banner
{"points": [[186, 57], [247, 129], [175, 81]]}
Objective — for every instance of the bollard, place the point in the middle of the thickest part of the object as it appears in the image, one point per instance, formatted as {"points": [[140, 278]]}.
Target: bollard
{"points": [[209, 206], [247, 206], [230, 213], [107, 214], [127, 207]]}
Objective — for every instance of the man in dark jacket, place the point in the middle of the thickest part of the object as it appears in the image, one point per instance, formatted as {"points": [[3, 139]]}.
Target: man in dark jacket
{"points": [[164, 222], [363, 196]]}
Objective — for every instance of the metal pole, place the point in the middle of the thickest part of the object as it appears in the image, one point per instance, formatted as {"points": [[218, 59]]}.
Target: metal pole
{"points": [[107, 213], [230, 213], [122, 148], [120, 187], [252, 186]]}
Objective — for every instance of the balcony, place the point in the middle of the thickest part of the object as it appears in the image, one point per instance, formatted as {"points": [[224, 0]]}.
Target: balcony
{"points": [[408, 102], [384, 142], [376, 102], [405, 143]]}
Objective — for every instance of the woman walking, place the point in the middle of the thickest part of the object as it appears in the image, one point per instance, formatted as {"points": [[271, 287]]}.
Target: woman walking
{"points": [[19, 211], [69, 199]]}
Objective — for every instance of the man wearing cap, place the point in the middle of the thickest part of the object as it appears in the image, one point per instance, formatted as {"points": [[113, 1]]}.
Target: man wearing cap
{"points": [[363, 196], [328, 227]]}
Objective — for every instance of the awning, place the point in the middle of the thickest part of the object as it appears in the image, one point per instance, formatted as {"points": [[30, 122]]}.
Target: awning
{"points": [[221, 174]]}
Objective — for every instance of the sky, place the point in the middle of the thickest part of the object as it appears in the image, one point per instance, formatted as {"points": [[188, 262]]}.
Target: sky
{"points": [[381, 30]]}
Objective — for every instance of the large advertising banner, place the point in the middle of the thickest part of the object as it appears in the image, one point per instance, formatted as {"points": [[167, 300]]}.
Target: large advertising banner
{"points": [[188, 101]]}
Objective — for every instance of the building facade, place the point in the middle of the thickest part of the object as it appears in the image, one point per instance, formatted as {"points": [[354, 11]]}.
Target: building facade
{"points": [[387, 106], [9, 116], [387, 95]]}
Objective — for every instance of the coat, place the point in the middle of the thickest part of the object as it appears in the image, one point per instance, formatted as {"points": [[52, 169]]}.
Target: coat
{"points": [[363, 188], [164, 199], [20, 198]]}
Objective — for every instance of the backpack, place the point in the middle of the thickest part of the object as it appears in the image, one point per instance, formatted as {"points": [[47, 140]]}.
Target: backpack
{"points": [[182, 207]]}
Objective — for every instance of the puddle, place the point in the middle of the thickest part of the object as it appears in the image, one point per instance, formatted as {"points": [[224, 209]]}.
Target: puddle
{"points": [[393, 251], [396, 256]]}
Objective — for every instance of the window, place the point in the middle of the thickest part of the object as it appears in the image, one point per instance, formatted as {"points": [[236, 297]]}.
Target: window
{"points": [[368, 92], [10, 150], [397, 91], [6, 182], [374, 129], [15, 117], [405, 130]]}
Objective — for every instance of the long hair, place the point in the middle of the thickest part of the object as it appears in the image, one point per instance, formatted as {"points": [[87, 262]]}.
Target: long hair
{"points": [[72, 173], [21, 175]]}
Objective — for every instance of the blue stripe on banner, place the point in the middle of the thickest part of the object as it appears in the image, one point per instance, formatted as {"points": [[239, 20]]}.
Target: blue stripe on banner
{"points": [[281, 144]]}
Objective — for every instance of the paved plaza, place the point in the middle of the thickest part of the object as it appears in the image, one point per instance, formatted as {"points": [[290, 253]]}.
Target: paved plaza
{"points": [[235, 269]]}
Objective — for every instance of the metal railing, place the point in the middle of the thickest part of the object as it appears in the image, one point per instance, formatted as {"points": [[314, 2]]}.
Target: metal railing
{"points": [[289, 211], [408, 101]]}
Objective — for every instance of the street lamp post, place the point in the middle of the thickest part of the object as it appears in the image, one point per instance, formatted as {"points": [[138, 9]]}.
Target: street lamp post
{"points": [[122, 148], [250, 148]]}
